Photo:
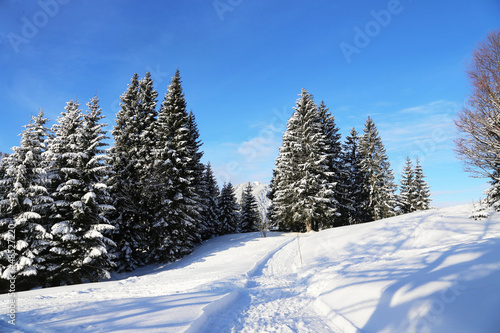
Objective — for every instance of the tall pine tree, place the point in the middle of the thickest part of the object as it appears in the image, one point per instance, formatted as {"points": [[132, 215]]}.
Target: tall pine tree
{"points": [[354, 194], [211, 213], [131, 161], [422, 190], [335, 164], [175, 229], [271, 214], [249, 215], [23, 210], [3, 175], [228, 211], [303, 194], [378, 177], [79, 250], [407, 199], [198, 179], [97, 201]]}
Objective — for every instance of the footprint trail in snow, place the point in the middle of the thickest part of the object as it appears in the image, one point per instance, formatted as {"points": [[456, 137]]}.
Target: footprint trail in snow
{"points": [[274, 299]]}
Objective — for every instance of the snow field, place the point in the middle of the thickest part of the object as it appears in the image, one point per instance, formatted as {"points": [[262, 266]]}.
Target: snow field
{"points": [[430, 271], [167, 298]]}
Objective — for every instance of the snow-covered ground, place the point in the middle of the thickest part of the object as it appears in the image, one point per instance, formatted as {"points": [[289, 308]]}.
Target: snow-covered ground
{"points": [[432, 271]]}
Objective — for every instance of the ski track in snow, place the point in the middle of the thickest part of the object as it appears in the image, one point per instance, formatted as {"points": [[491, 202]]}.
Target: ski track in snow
{"points": [[273, 299]]}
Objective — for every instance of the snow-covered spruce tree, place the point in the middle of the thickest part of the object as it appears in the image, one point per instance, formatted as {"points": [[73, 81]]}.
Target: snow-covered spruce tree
{"points": [[480, 210], [249, 216], [77, 173], [5, 219], [3, 175], [378, 176], [23, 210], [198, 182], [303, 196], [131, 165], [176, 220], [147, 99], [211, 213], [422, 192], [335, 164], [407, 200], [7, 223], [272, 219], [281, 191], [492, 199], [228, 210], [354, 194], [97, 172]]}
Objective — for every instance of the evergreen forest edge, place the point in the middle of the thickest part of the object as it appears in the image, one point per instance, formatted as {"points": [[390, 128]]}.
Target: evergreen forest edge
{"points": [[73, 209]]}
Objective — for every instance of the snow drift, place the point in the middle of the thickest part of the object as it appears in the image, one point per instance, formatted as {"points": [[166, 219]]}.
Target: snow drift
{"points": [[430, 271]]}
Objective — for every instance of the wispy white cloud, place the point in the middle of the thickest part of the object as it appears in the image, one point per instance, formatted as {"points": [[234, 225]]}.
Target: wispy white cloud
{"points": [[436, 107], [253, 159], [422, 130], [447, 198], [427, 132]]}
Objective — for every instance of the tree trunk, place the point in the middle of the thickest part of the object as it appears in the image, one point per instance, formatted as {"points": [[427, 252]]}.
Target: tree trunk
{"points": [[308, 226]]}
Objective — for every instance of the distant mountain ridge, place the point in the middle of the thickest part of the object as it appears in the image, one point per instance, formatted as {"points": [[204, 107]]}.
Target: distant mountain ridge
{"points": [[259, 191]]}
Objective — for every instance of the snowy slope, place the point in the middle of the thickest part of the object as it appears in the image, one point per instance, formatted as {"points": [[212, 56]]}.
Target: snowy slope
{"points": [[260, 193], [433, 271]]}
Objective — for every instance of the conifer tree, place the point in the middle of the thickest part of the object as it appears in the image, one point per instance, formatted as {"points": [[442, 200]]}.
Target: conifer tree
{"points": [[23, 210], [378, 176], [422, 192], [198, 182], [407, 193], [354, 194], [493, 192], [176, 220], [6, 225], [79, 250], [249, 215], [334, 162], [211, 213], [303, 196], [96, 173], [131, 159], [228, 211], [147, 141], [3, 175], [273, 220]]}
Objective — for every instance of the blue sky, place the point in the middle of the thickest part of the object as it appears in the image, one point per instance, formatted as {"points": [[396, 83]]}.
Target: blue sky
{"points": [[243, 64]]}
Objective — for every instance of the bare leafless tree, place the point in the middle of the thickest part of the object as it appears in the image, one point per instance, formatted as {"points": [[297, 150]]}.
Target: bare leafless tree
{"points": [[478, 143]]}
